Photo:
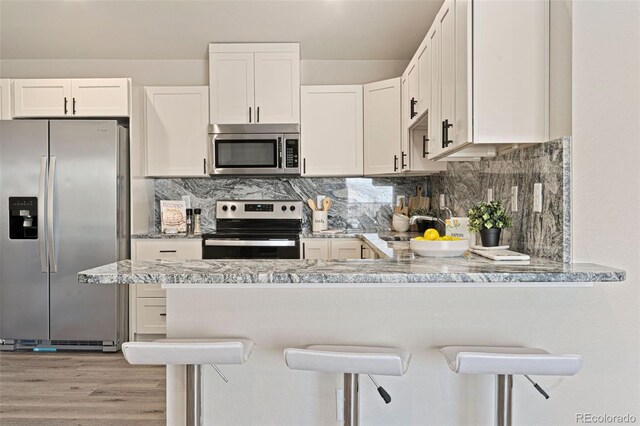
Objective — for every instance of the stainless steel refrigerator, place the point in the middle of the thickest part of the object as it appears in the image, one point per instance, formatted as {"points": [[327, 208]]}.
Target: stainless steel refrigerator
{"points": [[64, 207]]}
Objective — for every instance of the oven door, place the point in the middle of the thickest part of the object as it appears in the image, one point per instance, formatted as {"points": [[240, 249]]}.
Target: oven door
{"points": [[246, 154], [223, 248]]}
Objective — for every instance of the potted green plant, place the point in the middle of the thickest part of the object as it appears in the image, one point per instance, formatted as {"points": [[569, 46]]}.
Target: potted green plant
{"points": [[489, 219]]}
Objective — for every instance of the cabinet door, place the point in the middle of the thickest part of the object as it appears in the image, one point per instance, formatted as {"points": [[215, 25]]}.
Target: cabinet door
{"points": [[100, 97], [5, 99], [42, 98], [347, 249], [231, 81], [434, 136], [446, 20], [151, 315], [404, 120], [176, 130], [424, 78], [382, 134], [277, 87], [412, 83], [331, 130], [316, 249]]}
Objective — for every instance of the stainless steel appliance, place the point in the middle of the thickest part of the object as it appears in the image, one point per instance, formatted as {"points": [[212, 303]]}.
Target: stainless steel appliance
{"points": [[64, 191], [253, 229], [256, 149]]}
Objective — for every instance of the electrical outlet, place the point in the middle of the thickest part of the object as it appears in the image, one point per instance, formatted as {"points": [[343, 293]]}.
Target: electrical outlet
{"points": [[514, 198], [187, 201], [319, 199], [489, 195], [340, 405], [442, 204], [537, 197]]}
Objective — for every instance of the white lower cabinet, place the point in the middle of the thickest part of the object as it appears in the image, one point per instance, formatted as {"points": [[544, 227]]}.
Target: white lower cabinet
{"points": [[147, 302], [331, 130], [335, 249]]}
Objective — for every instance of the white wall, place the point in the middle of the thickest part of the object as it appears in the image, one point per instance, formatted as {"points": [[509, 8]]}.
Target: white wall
{"points": [[606, 197], [180, 72]]}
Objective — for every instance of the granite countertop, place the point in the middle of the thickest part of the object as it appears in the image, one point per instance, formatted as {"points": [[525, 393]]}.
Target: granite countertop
{"points": [[421, 272]]}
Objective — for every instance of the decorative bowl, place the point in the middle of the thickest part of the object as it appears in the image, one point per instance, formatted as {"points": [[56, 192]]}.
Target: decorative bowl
{"points": [[443, 248]]}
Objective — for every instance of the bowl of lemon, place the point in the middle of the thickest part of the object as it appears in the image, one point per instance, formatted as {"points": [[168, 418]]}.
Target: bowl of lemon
{"points": [[431, 244]]}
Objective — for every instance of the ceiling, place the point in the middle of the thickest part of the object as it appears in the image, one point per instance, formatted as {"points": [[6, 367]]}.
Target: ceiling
{"points": [[327, 29]]}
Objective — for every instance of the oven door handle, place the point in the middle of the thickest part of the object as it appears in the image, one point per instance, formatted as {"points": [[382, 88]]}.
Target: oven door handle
{"points": [[249, 243]]}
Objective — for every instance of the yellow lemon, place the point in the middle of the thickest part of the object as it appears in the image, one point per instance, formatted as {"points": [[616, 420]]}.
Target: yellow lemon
{"points": [[446, 238], [431, 234], [420, 238], [455, 238]]}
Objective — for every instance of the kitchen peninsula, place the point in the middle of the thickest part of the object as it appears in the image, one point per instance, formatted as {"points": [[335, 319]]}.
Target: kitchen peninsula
{"points": [[420, 305]]}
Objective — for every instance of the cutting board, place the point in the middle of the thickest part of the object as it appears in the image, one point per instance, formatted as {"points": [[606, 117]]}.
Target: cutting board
{"points": [[501, 254], [418, 201]]}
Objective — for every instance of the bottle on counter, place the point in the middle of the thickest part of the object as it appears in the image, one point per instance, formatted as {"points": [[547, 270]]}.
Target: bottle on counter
{"points": [[197, 222], [189, 221]]}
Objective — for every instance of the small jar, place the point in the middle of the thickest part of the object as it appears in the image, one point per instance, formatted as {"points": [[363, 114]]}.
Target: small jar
{"points": [[189, 221], [197, 223]]}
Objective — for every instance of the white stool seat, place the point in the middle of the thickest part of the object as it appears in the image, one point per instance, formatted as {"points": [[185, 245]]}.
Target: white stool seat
{"points": [[509, 361], [188, 351], [349, 359]]}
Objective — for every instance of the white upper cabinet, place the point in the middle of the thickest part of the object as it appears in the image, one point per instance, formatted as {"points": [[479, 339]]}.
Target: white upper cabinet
{"points": [[231, 81], [5, 99], [331, 130], [277, 87], [412, 74], [488, 73], [382, 127], [100, 97], [254, 83], [103, 97], [176, 130]]}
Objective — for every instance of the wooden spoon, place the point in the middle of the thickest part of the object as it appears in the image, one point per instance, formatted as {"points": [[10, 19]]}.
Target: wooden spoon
{"points": [[326, 204], [312, 204]]}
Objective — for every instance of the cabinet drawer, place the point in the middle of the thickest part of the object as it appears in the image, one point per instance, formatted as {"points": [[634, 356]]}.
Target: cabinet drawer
{"points": [[151, 315], [169, 249], [150, 290]]}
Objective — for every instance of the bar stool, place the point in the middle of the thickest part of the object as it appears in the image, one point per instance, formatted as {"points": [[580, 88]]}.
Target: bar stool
{"points": [[350, 361], [193, 353], [505, 362]]}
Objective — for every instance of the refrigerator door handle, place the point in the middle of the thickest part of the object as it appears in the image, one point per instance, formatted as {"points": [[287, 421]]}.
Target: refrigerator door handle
{"points": [[41, 204], [53, 264]]}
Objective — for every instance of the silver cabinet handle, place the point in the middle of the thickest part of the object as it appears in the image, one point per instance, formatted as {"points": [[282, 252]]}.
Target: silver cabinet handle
{"points": [[53, 267], [238, 243], [41, 204]]}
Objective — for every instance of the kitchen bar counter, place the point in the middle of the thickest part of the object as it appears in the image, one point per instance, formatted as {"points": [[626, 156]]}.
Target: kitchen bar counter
{"points": [[422, 272]]}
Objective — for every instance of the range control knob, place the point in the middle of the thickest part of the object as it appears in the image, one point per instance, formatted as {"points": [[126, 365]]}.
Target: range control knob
{"points": [[284, 208], [292, 208], [233, 208], [225, 208]]}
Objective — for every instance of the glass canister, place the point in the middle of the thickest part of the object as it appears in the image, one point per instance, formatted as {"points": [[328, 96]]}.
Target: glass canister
{"points": [[197, 222]]}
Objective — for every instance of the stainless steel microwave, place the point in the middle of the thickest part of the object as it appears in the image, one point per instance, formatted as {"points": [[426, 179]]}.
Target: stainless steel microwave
{"points": [[255, 149]]}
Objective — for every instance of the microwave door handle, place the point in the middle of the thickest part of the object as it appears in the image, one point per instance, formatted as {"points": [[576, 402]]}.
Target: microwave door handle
{"points": [[280, 153]]}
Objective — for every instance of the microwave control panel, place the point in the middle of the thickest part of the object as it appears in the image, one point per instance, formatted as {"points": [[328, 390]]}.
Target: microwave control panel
{"points": [[291, 153]]}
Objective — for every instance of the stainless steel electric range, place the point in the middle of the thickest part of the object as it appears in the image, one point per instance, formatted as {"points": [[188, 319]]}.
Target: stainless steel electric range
{"points": [[255, 229]]}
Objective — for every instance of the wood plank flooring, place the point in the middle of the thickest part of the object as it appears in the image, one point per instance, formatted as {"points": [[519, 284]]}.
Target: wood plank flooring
{"points": [[79, 388]]}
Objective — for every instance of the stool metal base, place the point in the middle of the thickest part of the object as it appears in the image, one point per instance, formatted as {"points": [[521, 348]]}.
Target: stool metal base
{"points": [[504, 384], [194, 395], [351, 400]]}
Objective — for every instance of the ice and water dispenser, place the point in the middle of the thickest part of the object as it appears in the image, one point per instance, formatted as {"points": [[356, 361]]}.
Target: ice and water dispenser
{"points": [[23, 218]]}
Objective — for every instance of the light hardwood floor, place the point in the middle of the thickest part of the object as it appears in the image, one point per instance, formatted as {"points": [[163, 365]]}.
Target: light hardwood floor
{"points": [[83, 388]]}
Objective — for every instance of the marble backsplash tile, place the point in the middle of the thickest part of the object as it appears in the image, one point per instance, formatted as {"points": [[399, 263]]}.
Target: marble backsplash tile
{"points": [[358, 203], [546, 234], [367, 203]]}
